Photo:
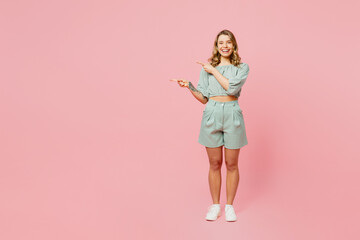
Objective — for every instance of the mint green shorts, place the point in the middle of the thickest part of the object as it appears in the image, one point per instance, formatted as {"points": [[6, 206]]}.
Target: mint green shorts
{"points": [[223, 124]]}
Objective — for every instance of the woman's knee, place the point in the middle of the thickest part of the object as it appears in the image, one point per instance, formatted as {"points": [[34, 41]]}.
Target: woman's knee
{"points": [[231, 165], [215, 163]]}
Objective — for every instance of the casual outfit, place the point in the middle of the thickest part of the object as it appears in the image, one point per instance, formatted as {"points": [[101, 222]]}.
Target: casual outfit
{"points": [[223, 122]]}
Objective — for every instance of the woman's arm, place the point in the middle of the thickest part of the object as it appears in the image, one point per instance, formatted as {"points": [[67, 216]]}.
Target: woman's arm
{"points": [[197, 94], [201, 93], [234, 83], [224, 82]]}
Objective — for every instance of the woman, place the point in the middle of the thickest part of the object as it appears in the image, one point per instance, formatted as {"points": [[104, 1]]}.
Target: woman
{"points": [[222, 122]]}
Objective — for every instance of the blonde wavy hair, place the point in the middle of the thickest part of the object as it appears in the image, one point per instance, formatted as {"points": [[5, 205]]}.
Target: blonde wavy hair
{"points": [[235, 59]]}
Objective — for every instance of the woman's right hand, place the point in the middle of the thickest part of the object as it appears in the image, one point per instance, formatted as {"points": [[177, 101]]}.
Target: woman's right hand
{"points": [[182, 82]]}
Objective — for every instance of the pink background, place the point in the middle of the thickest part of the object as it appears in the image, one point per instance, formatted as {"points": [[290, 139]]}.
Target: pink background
{"points": [[97, 143]]}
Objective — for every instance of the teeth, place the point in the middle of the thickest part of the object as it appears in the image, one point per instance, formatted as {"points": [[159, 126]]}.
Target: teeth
{"points": [[225, 50]]}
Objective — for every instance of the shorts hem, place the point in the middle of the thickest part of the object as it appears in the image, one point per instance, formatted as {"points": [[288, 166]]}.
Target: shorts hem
{"points": [[236, 147], [228, 147], [211, 146]]}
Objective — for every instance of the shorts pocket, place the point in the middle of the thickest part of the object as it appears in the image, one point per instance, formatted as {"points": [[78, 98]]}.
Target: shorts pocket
{"points": [[208, 116], [206, 108], [237, 108], [237, 117]]}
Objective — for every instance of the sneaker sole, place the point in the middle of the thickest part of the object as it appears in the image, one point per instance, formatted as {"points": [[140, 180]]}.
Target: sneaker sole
{"points": [[213, 219], [231, 220]]}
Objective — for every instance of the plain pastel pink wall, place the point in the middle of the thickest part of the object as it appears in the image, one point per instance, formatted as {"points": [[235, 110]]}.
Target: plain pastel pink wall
{"points": [[96, 143]]}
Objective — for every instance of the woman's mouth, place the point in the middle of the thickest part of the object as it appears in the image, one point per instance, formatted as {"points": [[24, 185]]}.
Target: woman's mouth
{"points": [[225, 50]]}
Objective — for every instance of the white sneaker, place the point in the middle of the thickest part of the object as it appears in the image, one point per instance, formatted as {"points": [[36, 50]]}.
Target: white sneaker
{"points": [[230, 214], [213, 212]]}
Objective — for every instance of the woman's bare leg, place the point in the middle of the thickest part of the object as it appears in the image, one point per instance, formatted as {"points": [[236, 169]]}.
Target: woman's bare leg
{"points": [[232, 173], [215, 160]]}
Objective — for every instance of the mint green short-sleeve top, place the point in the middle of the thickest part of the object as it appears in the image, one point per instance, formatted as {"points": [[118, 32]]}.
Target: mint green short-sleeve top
{"points": [[209, 86]]}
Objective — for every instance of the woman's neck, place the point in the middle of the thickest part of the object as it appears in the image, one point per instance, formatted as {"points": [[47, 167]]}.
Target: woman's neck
{"points": [[224, 61]]}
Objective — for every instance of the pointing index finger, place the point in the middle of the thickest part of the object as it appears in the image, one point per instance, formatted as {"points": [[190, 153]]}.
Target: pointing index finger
{"points": [[200, 63]]}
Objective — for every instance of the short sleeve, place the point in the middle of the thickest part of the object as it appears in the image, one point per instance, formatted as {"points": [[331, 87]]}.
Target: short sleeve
{"points": [[203, 83], [237, 80]]}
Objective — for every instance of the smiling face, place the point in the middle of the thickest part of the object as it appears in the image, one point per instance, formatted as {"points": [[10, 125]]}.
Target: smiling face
{"points": [[225, 46]]}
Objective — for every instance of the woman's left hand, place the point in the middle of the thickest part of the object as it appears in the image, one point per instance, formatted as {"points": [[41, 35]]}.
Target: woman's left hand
{"points": [[207, 67]]}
